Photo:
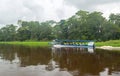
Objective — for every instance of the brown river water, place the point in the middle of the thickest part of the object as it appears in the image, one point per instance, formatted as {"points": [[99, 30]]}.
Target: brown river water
{"points": [[49, 61]]}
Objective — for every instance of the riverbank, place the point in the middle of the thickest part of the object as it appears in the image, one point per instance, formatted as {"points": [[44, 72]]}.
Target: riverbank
{"points": [[107, 44], [113, 43], [29, 43], [109, 48]]}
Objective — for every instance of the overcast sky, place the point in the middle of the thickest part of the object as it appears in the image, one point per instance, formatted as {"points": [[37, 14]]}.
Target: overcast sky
{"points": [[13, 10]]}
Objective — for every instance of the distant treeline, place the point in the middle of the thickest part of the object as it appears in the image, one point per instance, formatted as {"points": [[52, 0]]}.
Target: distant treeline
{"points": [[82, 26]]}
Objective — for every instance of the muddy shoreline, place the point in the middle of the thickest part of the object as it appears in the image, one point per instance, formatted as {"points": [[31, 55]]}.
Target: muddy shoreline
{"points": [[108, 48]]}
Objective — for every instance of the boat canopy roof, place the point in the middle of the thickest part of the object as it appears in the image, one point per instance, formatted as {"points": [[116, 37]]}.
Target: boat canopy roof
{"points": [[74, 40]]}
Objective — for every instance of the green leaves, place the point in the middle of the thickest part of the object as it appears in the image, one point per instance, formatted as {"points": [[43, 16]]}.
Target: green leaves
{"points": [[83, 25], [8, 33]]}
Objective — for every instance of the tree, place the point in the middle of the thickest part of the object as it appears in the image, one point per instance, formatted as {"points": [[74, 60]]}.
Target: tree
{"points": [[115, 20], [8, 33], [63, 29], [95, 21], [23, 34], [45, 31], [78, 25], [81, 26]]}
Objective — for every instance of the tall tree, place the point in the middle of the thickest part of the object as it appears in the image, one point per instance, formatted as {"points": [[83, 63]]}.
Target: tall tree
{"points": [[8, 33], [95, 21], [23, 32]]}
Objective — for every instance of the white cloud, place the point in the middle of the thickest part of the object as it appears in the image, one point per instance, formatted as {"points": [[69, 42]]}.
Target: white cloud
{"points": [[105, 6], [13, 10], [108, 9], [40, 10]]}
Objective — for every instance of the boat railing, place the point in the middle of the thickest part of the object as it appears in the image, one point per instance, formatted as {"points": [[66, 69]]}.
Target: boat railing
{"points": [[74, 42]]}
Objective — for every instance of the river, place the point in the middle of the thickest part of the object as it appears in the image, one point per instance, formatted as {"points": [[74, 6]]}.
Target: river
{"points": [[49, 61]]}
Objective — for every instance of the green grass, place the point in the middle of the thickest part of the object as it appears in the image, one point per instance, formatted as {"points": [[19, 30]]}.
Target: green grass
{"points": [[27, 43], [114, 43]]}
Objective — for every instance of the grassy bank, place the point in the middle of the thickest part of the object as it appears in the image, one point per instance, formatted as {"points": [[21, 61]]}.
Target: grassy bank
{"points": [[114, 43], [42, 43]]}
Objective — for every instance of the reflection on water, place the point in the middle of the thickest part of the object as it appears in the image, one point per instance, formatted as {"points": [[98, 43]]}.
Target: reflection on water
{"points": [[84, 63], [25, 55], [39, 61]]}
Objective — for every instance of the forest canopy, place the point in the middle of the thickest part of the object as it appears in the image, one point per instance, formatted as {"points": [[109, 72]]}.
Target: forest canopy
{"points": [[83, 25]]}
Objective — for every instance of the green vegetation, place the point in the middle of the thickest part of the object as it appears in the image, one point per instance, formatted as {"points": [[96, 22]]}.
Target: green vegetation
{"points": [[114, 43], [83, 25], [33, 44]]}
